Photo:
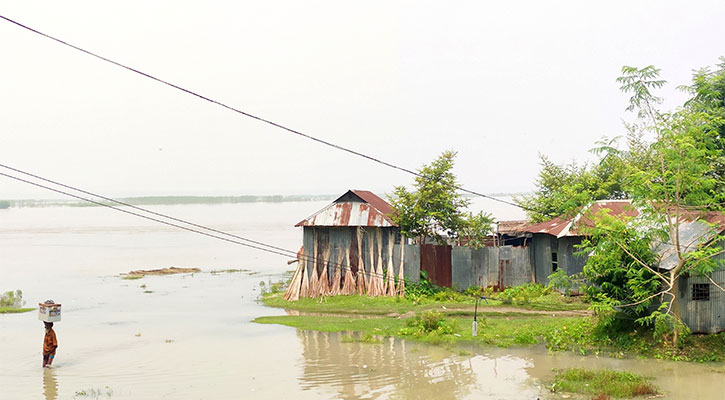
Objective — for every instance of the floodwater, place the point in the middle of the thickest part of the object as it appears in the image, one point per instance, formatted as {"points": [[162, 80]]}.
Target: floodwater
{"points": [[190, 336]]}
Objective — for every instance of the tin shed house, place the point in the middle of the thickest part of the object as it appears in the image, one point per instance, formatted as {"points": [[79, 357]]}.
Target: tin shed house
{"points": [[353, 246], [553, 242]]}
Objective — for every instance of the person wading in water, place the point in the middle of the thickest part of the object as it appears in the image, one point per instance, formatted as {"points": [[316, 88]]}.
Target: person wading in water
{"points": [[50, 343]]}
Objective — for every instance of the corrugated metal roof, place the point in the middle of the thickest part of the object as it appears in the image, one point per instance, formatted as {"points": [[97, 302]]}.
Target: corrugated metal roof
{"points": [[354, 208], [695, 229], [512, 227], [567, 226]]}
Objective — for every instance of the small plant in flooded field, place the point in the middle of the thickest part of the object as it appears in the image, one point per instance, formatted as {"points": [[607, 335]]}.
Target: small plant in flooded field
{"points": [[429, 325], [131, 277], [93, 393], [367, 339], [602, 383]]}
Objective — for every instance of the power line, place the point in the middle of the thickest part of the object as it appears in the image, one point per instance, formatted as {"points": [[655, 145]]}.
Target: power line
{"points": [[246, 114], [236, 238]]}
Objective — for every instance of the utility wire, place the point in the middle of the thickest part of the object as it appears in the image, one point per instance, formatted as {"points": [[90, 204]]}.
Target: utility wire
{"points": [[241, 240], [246, 114]]}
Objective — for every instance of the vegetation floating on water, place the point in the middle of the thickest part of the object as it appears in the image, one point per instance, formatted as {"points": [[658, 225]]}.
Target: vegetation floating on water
{"points": [[603, 383], [12, 303]]}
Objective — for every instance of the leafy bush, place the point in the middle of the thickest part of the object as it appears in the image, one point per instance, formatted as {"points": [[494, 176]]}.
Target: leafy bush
{"points": [[522, 294], [423, 288], [429, 323], [562, 281], [10, 299]]}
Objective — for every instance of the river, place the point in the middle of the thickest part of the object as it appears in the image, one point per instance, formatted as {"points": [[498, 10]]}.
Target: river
{"points": [[190, 336]]}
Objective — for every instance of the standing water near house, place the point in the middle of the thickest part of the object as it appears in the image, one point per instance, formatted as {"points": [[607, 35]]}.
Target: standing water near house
{"points": [[189, 336]]}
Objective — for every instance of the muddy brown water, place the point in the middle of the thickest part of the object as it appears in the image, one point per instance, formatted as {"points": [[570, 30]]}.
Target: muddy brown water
{"points": [[190, 336]]}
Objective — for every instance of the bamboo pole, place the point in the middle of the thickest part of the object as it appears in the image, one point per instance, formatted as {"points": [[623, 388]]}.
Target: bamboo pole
{"points": [[361, 284]]}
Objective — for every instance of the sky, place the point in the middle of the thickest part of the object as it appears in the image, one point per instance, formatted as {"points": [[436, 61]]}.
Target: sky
{"points": [[498, 82]]}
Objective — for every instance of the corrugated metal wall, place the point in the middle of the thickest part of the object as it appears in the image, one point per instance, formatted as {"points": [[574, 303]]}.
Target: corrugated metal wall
{"points": [[482, 267], [339, 239], [700, 315]]}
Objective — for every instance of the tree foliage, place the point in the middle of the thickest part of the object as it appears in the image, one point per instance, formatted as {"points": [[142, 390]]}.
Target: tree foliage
{"points": [[674, 183], [435, 209], [563, 189]]}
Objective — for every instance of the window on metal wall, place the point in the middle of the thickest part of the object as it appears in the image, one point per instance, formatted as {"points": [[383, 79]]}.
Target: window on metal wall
{"points": [[701, 291], [554, 262]]}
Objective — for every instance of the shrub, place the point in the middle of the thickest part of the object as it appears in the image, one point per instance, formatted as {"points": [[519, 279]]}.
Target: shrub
{"points": [[523, 294]]}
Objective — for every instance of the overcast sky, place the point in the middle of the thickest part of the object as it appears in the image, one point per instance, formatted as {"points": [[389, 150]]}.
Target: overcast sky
{"points": [[499, 82]]}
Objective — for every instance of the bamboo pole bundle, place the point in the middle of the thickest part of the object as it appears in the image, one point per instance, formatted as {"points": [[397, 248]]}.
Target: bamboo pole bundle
{"points": [[305, 286], [390, 284], [371, 276], [361, 284], [349, 286], [293, 291], [323, 283], [313, 291], [379, 269], [335, 284], [401, 269]]}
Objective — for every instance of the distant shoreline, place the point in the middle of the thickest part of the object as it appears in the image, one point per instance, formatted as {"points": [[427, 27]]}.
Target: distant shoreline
{"points": [[185, 200], [167, 200]]}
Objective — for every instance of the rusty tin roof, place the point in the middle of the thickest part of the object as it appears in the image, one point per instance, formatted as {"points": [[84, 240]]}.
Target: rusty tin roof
{"points": [[354, 208], [567, 226]]}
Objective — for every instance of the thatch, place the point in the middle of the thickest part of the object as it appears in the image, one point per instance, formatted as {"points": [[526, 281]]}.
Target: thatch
{"points": [[314, 289]]}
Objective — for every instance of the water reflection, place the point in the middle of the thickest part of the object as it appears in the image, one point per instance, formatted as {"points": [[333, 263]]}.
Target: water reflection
{"points": [[50, 384], [365, 371]]}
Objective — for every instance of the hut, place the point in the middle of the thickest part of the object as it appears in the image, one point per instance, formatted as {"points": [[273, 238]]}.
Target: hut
{"points": [[348, 248], [553, 242], [701, 298]]}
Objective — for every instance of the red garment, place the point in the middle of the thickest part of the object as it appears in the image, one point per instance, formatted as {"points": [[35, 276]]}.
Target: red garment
{"points": [[50, 343]]}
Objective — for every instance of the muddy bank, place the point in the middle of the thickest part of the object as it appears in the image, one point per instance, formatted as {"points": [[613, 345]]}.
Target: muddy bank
{"points": [[161, 271]]}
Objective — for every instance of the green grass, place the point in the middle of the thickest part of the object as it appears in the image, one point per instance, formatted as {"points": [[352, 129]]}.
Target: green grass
{"points": [[14, 310], [131, 277], [384, 305], [558, 333], [603, 382]]}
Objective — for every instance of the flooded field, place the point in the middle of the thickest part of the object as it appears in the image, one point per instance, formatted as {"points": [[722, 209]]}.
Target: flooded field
{"points": [[189, 336]]}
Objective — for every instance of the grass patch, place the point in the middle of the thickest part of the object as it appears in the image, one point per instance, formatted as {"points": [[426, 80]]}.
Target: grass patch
{"points": [[605, 382], [14, 310], [131, 277], [227, 271], [148, 291]]}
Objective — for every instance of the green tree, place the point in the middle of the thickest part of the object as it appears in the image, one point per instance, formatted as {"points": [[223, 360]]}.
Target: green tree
{"points": [[435, 209], [675, 184], [564, 189]]}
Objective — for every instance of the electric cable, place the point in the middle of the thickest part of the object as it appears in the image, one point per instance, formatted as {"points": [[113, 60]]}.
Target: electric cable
{"points": [[241, 240], [249, 115]]}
